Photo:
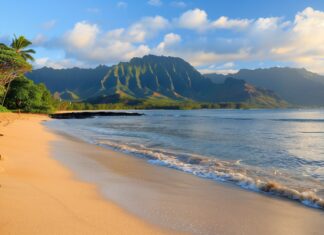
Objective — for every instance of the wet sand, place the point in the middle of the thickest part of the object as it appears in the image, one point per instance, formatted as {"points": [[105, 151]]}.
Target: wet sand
{"points": [[54, 184], [176, 200]]}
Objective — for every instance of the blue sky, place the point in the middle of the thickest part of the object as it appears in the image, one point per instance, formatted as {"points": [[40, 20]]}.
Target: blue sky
{"points": [[219, 35]]}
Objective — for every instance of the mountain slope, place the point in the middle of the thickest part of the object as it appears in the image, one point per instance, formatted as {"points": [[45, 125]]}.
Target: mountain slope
{"points": [[149, 78], [72, 82], [297, 86], [157, 75]]}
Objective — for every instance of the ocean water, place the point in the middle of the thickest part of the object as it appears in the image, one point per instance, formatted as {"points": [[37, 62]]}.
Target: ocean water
{"points": [[279, 152]]}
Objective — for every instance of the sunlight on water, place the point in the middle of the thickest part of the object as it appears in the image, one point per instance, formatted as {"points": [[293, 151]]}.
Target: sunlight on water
{"points": [[276, 151]]}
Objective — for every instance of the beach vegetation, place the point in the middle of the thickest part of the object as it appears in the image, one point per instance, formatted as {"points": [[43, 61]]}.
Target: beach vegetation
{"points": [[27, 96], [18, 92], [3, 109], [12, 65], [141, 104]]}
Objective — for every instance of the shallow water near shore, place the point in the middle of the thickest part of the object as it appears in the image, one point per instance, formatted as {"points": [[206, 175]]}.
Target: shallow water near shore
{"points": [[280, 152]]}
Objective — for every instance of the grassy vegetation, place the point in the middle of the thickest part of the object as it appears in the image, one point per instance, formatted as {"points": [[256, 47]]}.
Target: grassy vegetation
{"points": [[3, 109], [163, 103]]}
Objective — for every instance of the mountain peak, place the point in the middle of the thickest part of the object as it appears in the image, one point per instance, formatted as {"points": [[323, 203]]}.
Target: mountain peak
{"points": [[150, 77]]}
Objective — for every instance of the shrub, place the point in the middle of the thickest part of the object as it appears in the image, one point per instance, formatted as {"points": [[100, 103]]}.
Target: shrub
{"points": [[27, 96]]}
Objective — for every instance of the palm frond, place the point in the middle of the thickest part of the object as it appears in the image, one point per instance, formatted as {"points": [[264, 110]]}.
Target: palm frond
{"points": [[20, 43]]}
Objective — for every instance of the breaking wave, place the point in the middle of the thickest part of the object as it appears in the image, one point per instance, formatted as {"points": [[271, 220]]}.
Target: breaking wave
{"points": [[219, 170]]}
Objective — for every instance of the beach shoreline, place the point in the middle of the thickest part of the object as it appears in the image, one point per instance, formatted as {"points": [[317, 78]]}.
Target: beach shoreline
{"points": [[40, 196], [155, 199], [180, 201]]}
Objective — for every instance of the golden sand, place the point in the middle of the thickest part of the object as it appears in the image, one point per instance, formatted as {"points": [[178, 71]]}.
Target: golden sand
{"points": [[40, 196]]}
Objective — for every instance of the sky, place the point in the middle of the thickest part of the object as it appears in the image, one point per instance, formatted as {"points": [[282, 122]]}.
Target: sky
{"points": [[220, 36]]}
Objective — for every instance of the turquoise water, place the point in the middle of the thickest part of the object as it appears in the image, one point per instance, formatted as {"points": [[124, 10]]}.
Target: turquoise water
{"points": [[279, 152]]}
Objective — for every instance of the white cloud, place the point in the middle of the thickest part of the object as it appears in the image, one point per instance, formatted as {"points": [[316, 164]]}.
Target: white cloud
{"points": [[169, 40], [202, 58], [155, 3], [193, 19], [85, 42], [224, 22], [197, 19], [57, 64], [298, 42], [122, 4], [267, 23], [219, 71], [146, 28], [82, 35], [226, 68], [228, 65], [304, 42]]}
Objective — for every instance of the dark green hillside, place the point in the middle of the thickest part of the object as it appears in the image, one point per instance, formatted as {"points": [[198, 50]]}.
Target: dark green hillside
{"points": [[156, 76], [70, 83], [151, 79], [297, 86]]}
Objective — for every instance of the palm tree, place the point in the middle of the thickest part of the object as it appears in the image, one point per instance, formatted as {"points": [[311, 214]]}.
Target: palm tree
{"points": [[19, 44]]}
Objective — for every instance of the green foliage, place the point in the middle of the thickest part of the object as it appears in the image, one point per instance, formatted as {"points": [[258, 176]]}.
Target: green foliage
{"points": [[3, 109], [12, 65], [148, 82], [27, 96], [20, 43], [17, 91], [156, 104], [2, 91]]}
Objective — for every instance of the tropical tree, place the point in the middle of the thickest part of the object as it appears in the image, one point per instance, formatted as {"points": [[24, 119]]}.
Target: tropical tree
{"points": [[19, 44], [12, 65], [27, 96], [13, 62]]}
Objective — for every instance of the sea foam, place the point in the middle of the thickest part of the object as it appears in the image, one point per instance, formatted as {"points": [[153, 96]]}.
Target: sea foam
{"points": [[219, 170]]}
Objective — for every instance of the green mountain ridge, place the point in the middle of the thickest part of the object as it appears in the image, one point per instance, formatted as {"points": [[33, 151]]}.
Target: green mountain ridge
{"points": [[297, 86], [150, 78]]}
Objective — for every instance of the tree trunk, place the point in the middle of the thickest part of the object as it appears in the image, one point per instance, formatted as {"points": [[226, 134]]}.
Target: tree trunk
{"points": [[5, 95]]}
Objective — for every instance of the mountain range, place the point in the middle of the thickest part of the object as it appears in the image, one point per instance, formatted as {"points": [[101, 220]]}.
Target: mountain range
{"points": [[296, 86], [161, 77]]}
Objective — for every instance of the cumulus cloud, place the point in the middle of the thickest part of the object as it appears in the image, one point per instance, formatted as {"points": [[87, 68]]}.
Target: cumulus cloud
{"points": [[224, 22], [83, 35], [86, 42], [193, 19], [304, 42], [227, 68], [169, 40], [146, 28], [197, 19], [57, 64], [299, 41]]}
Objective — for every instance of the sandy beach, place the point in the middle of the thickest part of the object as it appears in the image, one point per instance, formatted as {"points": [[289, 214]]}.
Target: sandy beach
{"points": [[40, 196], [55, 184]]}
